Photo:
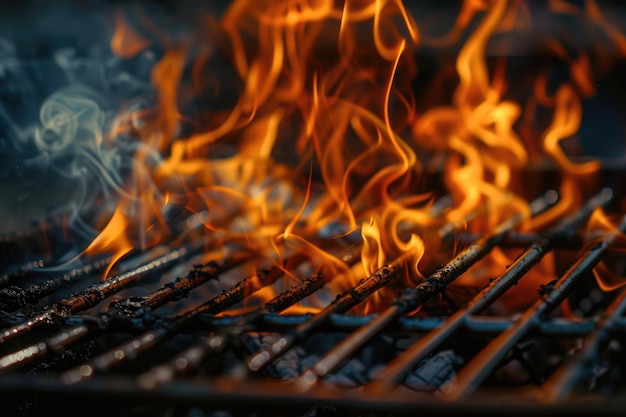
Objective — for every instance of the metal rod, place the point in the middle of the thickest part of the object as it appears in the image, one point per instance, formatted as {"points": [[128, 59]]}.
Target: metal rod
{"points": [[158, 334], [13, 298], [94, 294], [397, 369], [191, 358], [296, 293], [414, 297], [244, 288], [341, 304], [180, 287], [272, 322], [247, 396], [472, 375], [567, 377], [92, 325]]}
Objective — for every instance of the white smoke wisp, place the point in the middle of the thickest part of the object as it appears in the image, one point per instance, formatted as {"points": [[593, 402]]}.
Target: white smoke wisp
{"points": [[70, 136]]}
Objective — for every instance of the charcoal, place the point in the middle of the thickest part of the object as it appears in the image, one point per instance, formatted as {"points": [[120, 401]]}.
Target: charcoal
{"points": [[429, 376], [432, 374], [354, 373], [12, 298]]}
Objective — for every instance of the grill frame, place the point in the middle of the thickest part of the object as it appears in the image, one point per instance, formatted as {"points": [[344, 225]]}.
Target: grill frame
{"points": [[261, 397]]}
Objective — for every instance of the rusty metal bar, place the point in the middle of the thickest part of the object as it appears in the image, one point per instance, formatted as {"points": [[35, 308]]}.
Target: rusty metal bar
{"points": [[273, 322], [91, 327], [397, 369], [193, 356], [383, 276], [13, 298], [414, 297], [341, 304], [472, 375], [230, 393], [158, 334], [94, 294]]}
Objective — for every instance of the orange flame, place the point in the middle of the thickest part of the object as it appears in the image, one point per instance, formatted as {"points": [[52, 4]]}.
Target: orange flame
{"points": [[112, 239], [478, 132], [600, 225], [326, 130], [126, 42]]}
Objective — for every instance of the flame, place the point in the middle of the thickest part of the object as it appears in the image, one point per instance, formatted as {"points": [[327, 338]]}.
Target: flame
{"points": [[372, 255], [112, 239], [607, 276], [327, 146], [478, 131], [126, 42], [594, 11], [565, 123]]}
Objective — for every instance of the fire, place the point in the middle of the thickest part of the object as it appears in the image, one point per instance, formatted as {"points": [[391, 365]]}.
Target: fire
{"points": [[607, 275], [126, 42], [112, 239], [329, 147]]}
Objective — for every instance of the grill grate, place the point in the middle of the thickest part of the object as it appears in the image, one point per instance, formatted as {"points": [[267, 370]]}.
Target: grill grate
{"points": [[34, 346]]}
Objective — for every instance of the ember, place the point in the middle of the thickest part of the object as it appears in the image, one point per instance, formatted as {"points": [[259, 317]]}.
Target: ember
{"points": [[286, 199]]}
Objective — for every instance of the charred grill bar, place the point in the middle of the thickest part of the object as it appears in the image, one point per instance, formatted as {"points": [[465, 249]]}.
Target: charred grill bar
{"points": [[495, 289], [430, 287]]}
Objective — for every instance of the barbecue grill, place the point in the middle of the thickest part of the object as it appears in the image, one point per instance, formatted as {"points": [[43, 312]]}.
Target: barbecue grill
{"points": [[191, 361], [195, 319]]}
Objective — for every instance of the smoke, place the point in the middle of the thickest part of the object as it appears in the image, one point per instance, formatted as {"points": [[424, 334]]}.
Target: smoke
{"points": [[57, 108]]}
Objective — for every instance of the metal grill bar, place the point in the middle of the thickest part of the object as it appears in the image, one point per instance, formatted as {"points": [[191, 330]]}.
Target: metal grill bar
{"points": [[192, 357], [77, 332], [340, 305], [272, 322], [413, 298], [280, 398], [94, 294], [160, 332], [470, 377], [565, 380], [398, 368], [13, 298]]}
